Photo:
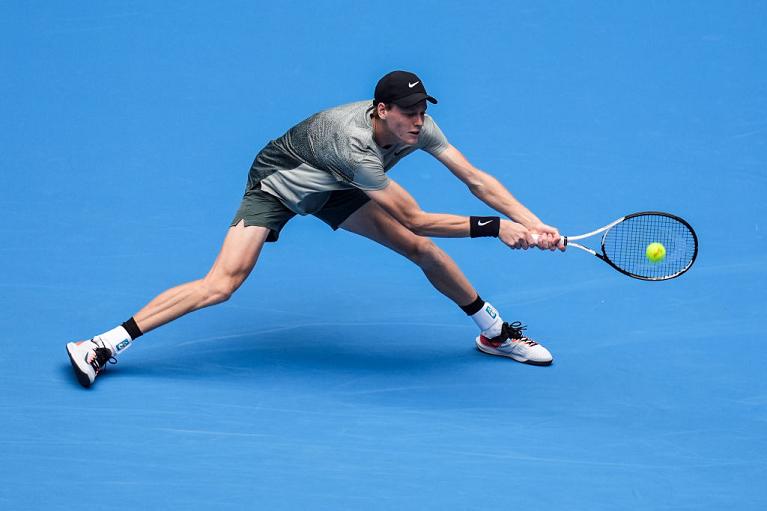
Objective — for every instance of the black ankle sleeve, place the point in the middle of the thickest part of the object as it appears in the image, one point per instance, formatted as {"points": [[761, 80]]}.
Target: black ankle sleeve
{"points": [[474, 307], [132, 328]]}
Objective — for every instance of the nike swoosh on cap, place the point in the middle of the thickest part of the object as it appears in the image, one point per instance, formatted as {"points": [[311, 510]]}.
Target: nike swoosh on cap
{"points": [[411, 85]]}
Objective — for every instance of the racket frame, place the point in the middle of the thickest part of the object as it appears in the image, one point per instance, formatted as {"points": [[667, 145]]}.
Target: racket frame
{"points": [[567, 241]]}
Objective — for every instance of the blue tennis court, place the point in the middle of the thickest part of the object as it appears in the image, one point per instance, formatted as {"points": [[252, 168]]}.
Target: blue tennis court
{"points": [[336, 377]]}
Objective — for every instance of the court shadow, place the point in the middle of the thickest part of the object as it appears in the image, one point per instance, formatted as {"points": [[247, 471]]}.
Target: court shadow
{"points": [[271, 355], [68, 376]]}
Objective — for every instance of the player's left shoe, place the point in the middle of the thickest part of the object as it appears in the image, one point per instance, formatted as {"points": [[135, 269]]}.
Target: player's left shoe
{"points": [[88, 359], [514, 344]]}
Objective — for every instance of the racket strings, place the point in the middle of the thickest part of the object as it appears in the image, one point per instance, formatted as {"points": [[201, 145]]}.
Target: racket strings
{"points": [[625, 245]]}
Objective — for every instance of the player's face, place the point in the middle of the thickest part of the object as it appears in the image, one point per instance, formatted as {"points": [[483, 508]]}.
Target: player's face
{"points": [[406, 123]]}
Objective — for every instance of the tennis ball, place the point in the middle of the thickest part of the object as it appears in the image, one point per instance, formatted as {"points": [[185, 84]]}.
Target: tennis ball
{"points": [[655, 252]]}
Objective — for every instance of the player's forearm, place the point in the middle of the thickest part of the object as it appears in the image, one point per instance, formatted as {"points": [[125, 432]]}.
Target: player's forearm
{"points": [[439, 225], [490, 191]]}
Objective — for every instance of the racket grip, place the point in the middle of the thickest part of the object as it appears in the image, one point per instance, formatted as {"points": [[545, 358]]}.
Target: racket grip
{"points": [[562, 239]]}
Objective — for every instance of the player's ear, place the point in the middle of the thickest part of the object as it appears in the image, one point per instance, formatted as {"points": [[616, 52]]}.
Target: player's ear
{"points": [[381, 110]]}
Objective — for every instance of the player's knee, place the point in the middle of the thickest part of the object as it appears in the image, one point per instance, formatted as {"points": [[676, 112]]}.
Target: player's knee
{"points": [[221, 294], [218, 290], [424, 251]]}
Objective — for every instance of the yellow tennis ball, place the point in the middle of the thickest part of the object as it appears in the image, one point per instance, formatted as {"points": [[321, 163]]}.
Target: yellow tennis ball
{"points": [[655, 252]]}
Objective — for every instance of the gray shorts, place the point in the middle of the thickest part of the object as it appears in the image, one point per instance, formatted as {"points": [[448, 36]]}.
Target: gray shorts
{"points": [[265, 210]]}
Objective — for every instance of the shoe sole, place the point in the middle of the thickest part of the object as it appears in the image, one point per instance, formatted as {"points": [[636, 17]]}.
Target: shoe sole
{"points": [[522, 360], [82, 377]]}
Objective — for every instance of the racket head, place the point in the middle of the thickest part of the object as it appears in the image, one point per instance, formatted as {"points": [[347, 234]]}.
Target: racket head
{"points": [[624, 245]]}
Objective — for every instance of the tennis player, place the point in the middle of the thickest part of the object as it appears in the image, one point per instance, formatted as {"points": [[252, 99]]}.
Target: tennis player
{"points": [[334, 165]]}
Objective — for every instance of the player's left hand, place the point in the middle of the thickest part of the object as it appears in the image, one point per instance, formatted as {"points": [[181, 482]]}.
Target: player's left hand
{"points": [[548, 236]]}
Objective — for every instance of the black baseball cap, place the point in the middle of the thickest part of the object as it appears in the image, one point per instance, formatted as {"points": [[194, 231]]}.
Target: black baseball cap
{"points": [[402, 88]]}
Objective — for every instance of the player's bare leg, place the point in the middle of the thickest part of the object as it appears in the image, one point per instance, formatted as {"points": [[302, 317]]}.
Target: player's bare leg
{"points": [[496, 337], [234, 263], [237, 257], [376, 224]]}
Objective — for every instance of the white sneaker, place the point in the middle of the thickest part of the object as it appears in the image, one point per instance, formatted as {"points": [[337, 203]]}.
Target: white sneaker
{"points": [[513, 344], [88, 359]]}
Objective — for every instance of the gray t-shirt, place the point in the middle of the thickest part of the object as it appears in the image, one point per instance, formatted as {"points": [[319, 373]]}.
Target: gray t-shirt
{"points": [[332, 150]]}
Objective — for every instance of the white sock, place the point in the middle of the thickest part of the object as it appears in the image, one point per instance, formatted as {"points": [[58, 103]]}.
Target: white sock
{"points": [[117, 340], [488, 320]]}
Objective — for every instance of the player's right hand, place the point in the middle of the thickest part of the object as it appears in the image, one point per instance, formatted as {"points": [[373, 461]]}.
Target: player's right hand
{"points": [[546, 237], [515, 235]]}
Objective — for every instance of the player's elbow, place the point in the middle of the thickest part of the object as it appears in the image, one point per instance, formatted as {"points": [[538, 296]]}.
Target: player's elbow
{"points": [[416, 222], [477, 183], [480, 183], [477, 188]]}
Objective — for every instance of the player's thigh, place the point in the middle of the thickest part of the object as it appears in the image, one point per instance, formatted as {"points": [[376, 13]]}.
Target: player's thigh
{"points": [[239, 252], [259, 219], [373, 222]]}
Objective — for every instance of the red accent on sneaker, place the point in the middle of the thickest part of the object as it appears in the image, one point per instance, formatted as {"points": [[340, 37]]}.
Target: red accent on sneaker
{"points": [[489, 342]]}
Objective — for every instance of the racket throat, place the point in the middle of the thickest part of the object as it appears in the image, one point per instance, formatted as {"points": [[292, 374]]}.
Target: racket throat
{"points": [[585, 249]]}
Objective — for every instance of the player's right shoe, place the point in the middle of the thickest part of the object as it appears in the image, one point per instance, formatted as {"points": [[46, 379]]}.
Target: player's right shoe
{"points": [[88, 359], [515, 345]]}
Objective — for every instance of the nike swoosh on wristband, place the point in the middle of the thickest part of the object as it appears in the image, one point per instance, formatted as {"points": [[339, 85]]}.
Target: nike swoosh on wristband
{"points": [[411, 85], [481, 224]]}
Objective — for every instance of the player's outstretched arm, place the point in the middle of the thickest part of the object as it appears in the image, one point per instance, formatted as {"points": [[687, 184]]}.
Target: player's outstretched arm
{"points": [[396, 201], [490, 191]]}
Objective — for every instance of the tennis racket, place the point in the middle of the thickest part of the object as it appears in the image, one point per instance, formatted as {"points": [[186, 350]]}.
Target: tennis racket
{"points": [[625, 241]]}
